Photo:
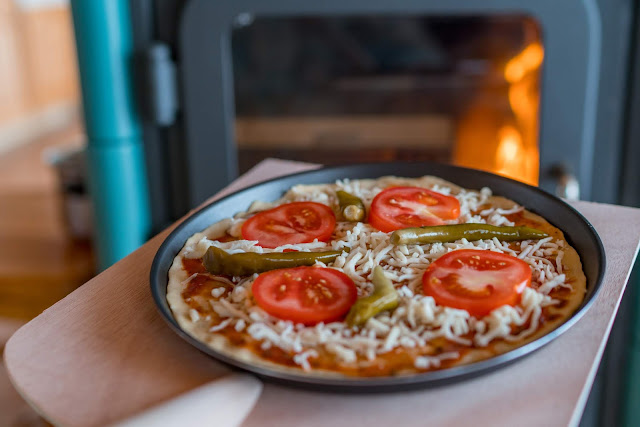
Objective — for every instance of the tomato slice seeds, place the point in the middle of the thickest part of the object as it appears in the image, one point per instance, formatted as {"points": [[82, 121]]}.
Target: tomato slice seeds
{"points": [[306, 295], [291, 223], [401, 207], [478, 281]]}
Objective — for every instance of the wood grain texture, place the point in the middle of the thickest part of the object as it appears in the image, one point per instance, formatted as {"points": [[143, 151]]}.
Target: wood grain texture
{"points": [[37, 59], [103, 353], [416, 131], [33, 227]]}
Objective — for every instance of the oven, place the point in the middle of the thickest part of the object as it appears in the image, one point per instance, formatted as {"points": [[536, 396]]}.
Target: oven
{"points": [[544, 92], [535, 91]]}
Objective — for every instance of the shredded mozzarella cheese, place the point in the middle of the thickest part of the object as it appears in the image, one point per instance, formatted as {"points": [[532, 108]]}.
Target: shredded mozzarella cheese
{"points": [[417, 319]]}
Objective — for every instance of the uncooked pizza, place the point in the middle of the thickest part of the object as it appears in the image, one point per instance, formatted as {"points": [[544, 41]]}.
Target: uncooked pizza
{"points": [[370, 278]]}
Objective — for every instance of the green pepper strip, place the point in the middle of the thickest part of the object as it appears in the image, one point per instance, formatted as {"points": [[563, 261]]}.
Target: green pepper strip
{"points": [[384, 297], [351, 207], [218, 261], [471, 232]]}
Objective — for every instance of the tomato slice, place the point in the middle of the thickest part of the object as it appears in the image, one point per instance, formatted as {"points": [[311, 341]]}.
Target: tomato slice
{"points": [[291, 223], [402, 207], [307, 295], [475, 280]]}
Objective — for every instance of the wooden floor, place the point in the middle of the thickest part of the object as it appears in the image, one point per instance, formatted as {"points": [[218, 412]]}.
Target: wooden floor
{"points": [[40, 262]]}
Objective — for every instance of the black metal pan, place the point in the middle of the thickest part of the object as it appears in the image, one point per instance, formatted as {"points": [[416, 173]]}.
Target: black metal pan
{"points": [[578, 232]]}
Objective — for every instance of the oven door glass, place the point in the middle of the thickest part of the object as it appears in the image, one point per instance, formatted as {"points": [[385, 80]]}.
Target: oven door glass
{"points": [[458, 89]]}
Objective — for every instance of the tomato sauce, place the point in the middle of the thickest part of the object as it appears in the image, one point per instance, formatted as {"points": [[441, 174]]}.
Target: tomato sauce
{"points": [[395, 362]]}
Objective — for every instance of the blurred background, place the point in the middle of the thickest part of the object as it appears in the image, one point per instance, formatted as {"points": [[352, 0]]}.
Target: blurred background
{"points": [[40, 259], [175, 102]]}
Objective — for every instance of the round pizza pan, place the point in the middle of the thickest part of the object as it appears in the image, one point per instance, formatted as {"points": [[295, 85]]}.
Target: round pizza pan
{"points": [[578, 232]]}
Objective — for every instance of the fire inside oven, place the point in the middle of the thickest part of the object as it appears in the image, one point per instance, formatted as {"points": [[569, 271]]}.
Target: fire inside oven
{"points": [[464, 90]]}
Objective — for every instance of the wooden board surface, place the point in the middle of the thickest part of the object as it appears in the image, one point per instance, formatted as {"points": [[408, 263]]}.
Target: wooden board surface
{"points": [[103, 354]]}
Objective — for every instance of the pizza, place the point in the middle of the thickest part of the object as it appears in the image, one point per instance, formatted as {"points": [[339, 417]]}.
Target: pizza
{"points": [[375, 277]]}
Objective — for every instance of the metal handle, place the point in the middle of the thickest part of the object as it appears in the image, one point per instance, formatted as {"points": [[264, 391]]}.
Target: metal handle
{"points": [[567, 185]]}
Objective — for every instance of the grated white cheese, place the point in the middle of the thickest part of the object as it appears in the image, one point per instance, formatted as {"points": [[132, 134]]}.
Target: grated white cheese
{"points": [[417, 319], [217, 292], [549, 285], [392, 339], [186, 281], [220, 326], [302, 359], [426, 362]]}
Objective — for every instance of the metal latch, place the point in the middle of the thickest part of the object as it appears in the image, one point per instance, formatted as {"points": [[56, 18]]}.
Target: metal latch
{"points": [[567, 185], [160, 87]]}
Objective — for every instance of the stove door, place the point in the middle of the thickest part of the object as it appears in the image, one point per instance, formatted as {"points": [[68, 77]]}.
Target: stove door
{"points": [[544, 119]]}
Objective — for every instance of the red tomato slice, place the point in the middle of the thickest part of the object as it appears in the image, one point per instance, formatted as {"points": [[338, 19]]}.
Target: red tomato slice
{"points": [[291, 223], [475, 280], [402, 207], [307, 295]]}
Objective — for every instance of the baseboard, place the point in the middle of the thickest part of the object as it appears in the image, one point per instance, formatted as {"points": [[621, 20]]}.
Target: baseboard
{"points": [[36, 125]]}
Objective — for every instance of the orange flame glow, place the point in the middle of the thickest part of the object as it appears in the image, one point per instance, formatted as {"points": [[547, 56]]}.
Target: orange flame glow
{"points": [[526, 61], [506, 142]]}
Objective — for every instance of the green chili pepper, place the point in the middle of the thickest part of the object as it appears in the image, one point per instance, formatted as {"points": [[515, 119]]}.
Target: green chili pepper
{"points": [[351, 207], [471, 232], [384, 297], [217, 261]]}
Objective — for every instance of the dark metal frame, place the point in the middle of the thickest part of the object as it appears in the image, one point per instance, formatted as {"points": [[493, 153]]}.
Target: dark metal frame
{"points": [[170, 148], [571, 33]]}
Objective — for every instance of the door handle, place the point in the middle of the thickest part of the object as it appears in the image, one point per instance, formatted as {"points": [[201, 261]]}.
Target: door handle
{"points": [[567, 185]]}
